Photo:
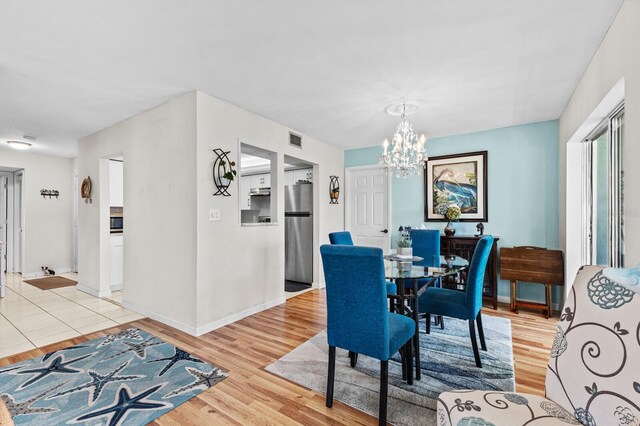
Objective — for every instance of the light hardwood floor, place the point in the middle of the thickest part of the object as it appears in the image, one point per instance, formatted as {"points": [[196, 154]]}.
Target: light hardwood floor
{"points": [[250, 395]]}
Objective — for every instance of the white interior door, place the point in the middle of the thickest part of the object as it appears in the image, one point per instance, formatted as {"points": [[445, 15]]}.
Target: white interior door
{"points": [[18, 221], [367, 207]]}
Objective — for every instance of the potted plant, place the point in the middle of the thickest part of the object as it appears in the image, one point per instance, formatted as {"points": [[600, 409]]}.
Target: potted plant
{"points": [[404, 243], [452, 214]]}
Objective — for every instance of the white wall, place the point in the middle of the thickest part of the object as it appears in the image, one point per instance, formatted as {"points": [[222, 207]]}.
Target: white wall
{"points": [[241, 269], [158, 149], [616, 60], [179, 267], [48, 232]]}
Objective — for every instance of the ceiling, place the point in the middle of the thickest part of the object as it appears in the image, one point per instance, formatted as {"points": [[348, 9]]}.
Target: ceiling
{"points": [[324, 68]]}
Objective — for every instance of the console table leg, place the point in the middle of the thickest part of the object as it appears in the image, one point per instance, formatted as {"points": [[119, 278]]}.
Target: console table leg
{"points": [[513, 295]]}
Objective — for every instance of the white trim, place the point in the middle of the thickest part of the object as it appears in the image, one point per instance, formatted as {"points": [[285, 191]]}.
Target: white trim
{"points": [[238, 316], [92, 291], [199, 331], [347, 209], [159, 317], [41, 274]]}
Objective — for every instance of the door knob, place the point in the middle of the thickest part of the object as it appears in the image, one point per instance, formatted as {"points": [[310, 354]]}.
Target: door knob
{"points": [[386, 231]]}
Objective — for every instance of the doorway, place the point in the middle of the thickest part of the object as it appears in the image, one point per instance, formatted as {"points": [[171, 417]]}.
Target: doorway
{"points": [[116, 227], [299, 222], [367, 213], [12, 217]]}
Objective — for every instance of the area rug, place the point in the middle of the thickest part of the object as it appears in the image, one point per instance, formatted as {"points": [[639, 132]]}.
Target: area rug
{"points": [[446, 363], [49, 283], [130, 377]]}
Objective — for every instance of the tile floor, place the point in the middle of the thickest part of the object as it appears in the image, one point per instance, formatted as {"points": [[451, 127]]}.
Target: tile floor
{"points": [[31, 318]]}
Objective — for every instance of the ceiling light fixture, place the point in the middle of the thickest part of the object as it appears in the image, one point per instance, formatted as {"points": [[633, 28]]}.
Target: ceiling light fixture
{"points": [[19, 145], [407, 154]]}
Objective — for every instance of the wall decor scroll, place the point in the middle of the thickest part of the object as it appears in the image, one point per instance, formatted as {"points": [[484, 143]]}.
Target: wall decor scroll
{"points": [[334, 189], [85, 190], [223, 172]]}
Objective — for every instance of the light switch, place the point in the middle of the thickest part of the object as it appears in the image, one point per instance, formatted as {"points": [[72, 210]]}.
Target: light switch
{"points": [[214, 215]]}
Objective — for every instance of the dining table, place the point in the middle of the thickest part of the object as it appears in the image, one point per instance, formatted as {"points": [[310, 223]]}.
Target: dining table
{"points": [[412, 279]]}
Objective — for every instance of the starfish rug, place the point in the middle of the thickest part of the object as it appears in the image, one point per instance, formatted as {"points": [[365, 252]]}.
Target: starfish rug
{"points": [[130, 377]]}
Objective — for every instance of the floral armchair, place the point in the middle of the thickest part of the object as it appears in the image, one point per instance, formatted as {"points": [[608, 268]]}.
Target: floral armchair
{"points": [[593, 375]]}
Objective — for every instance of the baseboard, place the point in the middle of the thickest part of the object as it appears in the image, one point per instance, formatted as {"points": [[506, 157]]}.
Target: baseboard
{"points": [[159, 317], [93, 291], [28, 275], [198, 331], [237, 317], [117, 287], [507, 299]]}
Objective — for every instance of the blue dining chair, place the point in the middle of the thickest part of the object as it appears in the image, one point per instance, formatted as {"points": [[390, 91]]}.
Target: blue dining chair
{"points": [[426, 244], [357, 316], [465, 305], [344, 238]]}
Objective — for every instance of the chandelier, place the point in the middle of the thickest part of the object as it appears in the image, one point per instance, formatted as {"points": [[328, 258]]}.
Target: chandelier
{"points": [[406, 154]]}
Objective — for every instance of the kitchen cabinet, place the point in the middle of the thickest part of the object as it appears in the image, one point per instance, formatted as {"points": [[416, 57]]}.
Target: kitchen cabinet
{"points": [[117, 262], [289, 177], [303, 174], [116, 183], [261, 181], [245, 188]]}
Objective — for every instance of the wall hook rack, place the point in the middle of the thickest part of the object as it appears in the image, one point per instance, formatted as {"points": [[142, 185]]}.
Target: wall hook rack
{"points": [[49, 193]]}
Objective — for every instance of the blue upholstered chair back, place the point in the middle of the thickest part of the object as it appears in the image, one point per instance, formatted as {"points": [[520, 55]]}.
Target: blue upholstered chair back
{"points": [[343, 238], [475, 278], [426, 244], [357, 315]]}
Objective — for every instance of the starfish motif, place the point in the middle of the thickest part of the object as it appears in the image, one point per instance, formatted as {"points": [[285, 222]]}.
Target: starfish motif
{"points": [[124, 402], [97, 383], [203, 380], [24, 408], [6, 370], [50, 354], [179, 355], [56, 366], [130, 333], [140, 349]]}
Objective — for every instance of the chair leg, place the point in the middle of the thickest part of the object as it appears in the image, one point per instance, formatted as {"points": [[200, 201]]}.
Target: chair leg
{"points": [[384, 384], [474, 343], [403, 358], [353, 356], [441, 322], [483, 344], [331, 375], [428, 319], [410, 351]]}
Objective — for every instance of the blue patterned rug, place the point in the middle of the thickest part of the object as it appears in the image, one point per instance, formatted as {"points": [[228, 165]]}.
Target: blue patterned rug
{"points": [[446, 362], [129, 377]]}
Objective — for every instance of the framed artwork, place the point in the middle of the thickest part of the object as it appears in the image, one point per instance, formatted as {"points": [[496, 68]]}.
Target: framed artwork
{"points": [[459, 179]]}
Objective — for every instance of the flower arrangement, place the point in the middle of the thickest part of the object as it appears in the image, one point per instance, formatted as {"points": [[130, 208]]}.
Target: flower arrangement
{"points": [[405, 237], [453, 213]]}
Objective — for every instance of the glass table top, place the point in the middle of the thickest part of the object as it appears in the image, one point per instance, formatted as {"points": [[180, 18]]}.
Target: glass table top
{"points": [[449, 265]]}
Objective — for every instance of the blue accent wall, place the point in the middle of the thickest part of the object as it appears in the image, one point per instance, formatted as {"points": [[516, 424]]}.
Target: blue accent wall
{"points": [[522, 188]]}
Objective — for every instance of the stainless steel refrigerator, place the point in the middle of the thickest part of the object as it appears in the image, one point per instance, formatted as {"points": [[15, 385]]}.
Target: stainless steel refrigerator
{"points": [[298, 232]]}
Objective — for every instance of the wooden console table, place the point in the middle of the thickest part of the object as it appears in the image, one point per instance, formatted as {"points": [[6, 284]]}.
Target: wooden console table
{"points": [[464, 246]]}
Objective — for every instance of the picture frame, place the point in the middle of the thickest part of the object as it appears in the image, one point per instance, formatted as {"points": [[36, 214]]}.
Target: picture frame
{"points": [[459, 179]]}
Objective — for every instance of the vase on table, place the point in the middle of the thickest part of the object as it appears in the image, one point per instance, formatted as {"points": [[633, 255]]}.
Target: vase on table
{"points": [[449, 230], [405, 252]]}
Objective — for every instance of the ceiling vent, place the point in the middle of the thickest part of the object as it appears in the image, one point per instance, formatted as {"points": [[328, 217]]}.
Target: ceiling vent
{"points": [[295, 140]]}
